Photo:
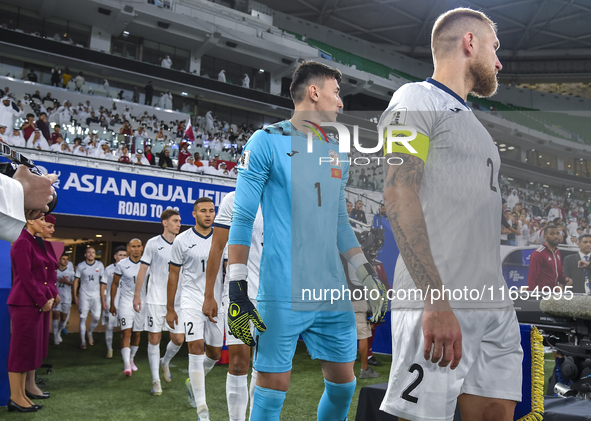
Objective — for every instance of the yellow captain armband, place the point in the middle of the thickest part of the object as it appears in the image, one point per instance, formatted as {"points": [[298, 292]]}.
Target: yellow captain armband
{"points": [[406, 140]]}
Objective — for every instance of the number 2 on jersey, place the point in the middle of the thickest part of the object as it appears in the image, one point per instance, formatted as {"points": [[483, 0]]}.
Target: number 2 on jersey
{"points": [[489, 163]]}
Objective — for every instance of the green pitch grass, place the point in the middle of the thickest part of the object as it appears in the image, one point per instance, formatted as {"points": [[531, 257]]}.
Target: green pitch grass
{"points": [[84, 385]]}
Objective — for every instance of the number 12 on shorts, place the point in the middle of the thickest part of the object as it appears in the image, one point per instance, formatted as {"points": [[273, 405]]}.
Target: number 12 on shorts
{"points": [[406, 393]]}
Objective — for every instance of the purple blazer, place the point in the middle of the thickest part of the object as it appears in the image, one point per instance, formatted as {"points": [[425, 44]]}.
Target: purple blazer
{"points": [[31, 269], [52, 279]]}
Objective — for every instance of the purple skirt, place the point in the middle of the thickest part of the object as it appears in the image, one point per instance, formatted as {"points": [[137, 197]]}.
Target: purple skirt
{"points": [[26, 349]]}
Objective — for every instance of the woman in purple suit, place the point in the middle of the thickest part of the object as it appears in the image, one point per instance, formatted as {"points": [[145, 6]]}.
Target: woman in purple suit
{"points": [[29, 297]]}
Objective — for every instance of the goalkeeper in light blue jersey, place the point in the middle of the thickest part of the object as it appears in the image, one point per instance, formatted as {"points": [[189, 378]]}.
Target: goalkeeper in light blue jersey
{"points": [[302, 195]]}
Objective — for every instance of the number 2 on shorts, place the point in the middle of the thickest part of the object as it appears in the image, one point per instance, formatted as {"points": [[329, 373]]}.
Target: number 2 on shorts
{"points": [[406, 393]]}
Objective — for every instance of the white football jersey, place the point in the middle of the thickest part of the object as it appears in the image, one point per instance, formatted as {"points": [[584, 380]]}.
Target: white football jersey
{"points": [[157, 256], [65, 290], [90, 276], [460, 194], [107, 279], [191, 251], [128, 270], [223, 219]]}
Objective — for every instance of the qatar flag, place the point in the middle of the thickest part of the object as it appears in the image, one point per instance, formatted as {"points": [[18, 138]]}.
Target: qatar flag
{"points": [[189, 132]]}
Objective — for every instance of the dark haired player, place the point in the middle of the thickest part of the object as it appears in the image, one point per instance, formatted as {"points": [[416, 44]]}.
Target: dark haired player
{"points": [[302, 197], [190, 252]]}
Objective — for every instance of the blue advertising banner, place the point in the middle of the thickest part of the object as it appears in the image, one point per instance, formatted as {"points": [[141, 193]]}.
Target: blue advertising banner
{"points": [[515, 275], [121, 195], [525, 255]]}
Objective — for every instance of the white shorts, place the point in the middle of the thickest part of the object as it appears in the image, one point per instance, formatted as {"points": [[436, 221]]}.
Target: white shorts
{"points": [[197, 326], [490, 367], [63, 307], [156, 318], [231, 339], [92, 304], [109, 320], [179, 328], [126, 315], [139, 319]]}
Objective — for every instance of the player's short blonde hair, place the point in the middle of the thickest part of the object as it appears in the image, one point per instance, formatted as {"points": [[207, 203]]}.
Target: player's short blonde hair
{"points": [[451, 26]]}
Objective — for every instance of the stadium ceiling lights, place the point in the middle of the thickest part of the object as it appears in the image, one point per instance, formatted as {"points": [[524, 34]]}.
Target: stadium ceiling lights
{"points": [[511, 148], [502, 149], [99, 235], [125, 33], [261, 71], [184, 94]]}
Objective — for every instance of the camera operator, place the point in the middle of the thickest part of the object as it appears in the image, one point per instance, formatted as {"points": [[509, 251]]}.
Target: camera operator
{"points": [[25, 196]]}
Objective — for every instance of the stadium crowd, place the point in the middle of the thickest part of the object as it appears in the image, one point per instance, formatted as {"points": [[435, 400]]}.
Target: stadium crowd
{"points": [[527, 213], [45, 124]]}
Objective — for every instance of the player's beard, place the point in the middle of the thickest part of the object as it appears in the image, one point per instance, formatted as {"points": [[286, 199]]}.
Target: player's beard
{"points": [[484, 80]]}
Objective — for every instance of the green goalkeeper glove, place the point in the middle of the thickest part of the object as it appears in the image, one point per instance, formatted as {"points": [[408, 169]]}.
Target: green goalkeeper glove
{"points": [[241, 312], [379, 303]]}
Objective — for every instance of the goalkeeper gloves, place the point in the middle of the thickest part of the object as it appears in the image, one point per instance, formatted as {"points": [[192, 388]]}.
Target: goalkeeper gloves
{"points": [[241, 312], [379, 303]]}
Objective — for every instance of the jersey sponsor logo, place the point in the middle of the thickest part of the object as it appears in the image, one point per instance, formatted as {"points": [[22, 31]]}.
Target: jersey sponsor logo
{"points": [[160, 248], [191, 246], [334, 158], [243, 163], [455, 110], [292, 153]]}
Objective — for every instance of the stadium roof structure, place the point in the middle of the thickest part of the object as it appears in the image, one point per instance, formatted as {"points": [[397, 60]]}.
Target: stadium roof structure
{"points": [[538, 37]]}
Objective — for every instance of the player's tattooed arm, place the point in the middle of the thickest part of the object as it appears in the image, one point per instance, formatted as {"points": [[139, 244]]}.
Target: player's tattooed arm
{"points": [[401, 197]]}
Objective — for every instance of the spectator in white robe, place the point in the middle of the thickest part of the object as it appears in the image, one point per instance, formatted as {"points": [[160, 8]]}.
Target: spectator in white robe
{"points": [[246, 81], [57, 146], [65, 113], [38, 141], [189, 165], [222, 76], [209, 122], [8, 113], [140, 159], [166, 62], [80, 151], [17, 139], [512, 200], [3, 135]]}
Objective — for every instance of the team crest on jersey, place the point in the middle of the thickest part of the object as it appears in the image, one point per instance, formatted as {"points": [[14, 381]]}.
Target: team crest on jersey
{"points": [[334, 158], [244, 160], [336, 173]]}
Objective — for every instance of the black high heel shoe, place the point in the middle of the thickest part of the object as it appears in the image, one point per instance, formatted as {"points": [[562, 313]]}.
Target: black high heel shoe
{"points": [[45, 395], [15, 407]]}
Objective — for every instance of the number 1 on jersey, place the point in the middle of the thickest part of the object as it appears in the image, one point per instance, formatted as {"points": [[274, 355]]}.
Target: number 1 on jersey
{"points": [[317, 185]]}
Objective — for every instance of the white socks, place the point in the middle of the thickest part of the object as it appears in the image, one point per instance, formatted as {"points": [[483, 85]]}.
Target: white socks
{"points": [[109, 338], [253, 383], [237, 396], [197, 377], [171, 350], [56, 330], [62, 325], [208, 364], [154, 360], [133, 351], [83, 330], [126, 360], [93, 324]]}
